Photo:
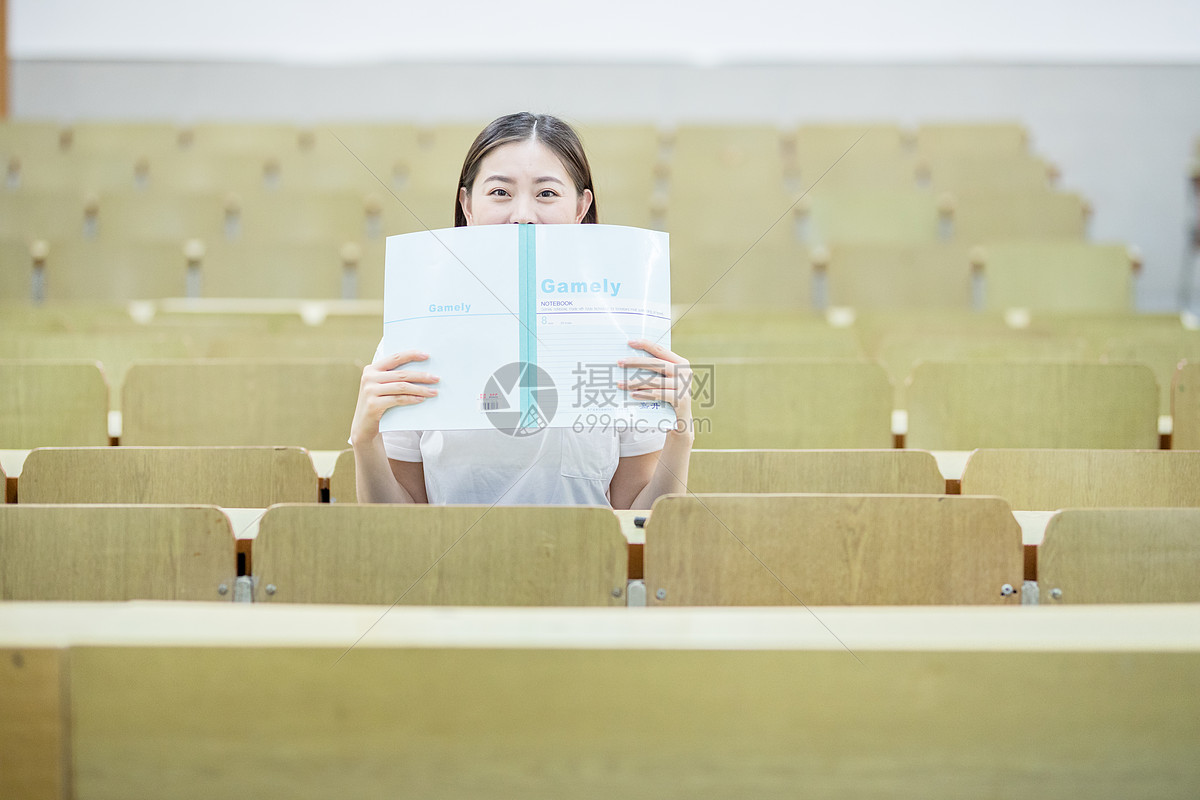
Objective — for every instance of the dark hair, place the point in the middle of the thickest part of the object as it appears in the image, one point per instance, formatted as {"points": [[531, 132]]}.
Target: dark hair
{"points": [[550, 131]]}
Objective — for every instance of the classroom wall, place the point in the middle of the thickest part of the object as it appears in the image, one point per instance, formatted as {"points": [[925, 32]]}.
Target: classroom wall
{"points": [[701, 32]]}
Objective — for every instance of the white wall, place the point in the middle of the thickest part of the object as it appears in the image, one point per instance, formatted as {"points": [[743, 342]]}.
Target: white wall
{"points": [[695, 32]]}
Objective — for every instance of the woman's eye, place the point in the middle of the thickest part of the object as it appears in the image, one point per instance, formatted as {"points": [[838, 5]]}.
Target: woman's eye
{"points": [[498, 192], [547, 193]]}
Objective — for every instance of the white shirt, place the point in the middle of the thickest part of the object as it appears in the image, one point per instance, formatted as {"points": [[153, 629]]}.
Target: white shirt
{"points": [[555, 466]]}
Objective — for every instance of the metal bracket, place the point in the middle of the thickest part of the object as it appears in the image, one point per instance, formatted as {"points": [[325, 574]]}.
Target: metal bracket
{"points": [[1030, 594], [243, 589], [635, 593]]}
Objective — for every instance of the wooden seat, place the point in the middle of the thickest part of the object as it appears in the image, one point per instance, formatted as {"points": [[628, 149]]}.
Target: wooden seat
{"points": [[1106, 555], [1057, 276], [839, 549], [965, 405], [971, 138], [302, 216], [314, 270], [115, 552], [429, 177], [78, 270], [730, 218], [792, 403], [624, 159], [856, 471], [69, 173], [829, 217], [327, 171], [19, 319], [901, 351], [342, 485], [724, 206], [28, 215], [16, 272], [126, 137], [985, 216], [33, 135], [705, 332], [115, 350], [233, 477], [749, 153], [237, 138], [873, 138], [371, 142], [1047, 480], [440, 555], [734, 268], [875, 326], [855, 172], [1161, 349], [52, 404], [528, 702], [1008, 172], [160, 216], [195, 172], [1185, 407], [293, 344], [865, 276], [872, 471], [240, 402], [866, 155]]}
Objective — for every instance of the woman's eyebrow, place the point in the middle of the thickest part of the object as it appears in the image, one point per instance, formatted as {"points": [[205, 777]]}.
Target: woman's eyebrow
{"points": [[543, 179]]}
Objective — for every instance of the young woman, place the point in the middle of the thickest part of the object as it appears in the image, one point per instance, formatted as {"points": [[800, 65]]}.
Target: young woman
{"points": [[521, 168]]}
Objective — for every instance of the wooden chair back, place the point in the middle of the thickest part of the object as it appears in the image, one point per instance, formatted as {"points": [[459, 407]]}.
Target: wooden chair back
{"points": [[1061, 276], [836, 471], [440, 555], [788, 403], [1047, 480], [964, 405], [1185, 407], [233, 477], [306, 403], [826, 549], [52, 404], [1107, 555], [115, 552], [342, 485]]}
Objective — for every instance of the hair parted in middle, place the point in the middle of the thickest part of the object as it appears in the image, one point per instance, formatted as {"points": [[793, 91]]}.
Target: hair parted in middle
{"points": [[523, 126]]}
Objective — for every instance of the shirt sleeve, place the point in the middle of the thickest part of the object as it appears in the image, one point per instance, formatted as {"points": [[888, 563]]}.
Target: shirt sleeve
{"points": [[638, 443], [402, 445]]}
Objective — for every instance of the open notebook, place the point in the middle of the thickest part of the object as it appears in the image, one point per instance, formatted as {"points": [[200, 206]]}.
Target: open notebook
{"points": [[524, 324]]}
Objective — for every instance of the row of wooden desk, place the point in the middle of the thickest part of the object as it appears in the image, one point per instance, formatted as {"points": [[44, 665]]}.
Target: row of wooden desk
{"points": [[200, 700]]}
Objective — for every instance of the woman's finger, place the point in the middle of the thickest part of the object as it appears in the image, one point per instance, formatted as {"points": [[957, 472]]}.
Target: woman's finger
{"points": [[399, 375], [656, 349], [649, 382], [390, 362], [403, 387], [661, 395], [637, 362]]}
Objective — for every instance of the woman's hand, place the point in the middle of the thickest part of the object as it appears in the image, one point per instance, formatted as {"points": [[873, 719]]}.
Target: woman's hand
{"points": [[672, 384], [386, 386]]}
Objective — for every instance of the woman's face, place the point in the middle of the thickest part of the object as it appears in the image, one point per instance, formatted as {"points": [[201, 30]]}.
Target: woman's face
{"points": [[523, 182]]}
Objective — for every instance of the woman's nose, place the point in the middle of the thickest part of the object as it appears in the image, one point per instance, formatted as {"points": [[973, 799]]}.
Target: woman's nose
{"points": [[523, 211]]}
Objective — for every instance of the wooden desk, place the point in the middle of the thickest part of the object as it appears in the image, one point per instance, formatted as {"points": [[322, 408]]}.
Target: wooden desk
{"points": [[186, 700]]}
